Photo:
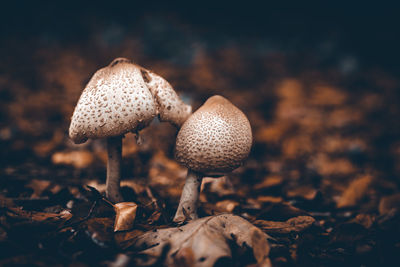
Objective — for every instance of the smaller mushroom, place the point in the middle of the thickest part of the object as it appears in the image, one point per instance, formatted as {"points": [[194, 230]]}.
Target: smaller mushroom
{"points": [[213, 141]]}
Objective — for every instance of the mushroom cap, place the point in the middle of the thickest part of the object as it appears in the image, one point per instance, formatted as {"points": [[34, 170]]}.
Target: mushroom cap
{"points": [[115, 101], [215, 139], [170, 107]]}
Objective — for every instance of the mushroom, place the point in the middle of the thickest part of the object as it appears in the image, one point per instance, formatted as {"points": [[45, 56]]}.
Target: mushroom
{"points": [[117, 100], [170, 106], [213, 141]]}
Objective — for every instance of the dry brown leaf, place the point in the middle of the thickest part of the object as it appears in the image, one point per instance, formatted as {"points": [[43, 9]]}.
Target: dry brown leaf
{"points": [[185, 258], [207, 238], [124, 239], [296, 224], [221, 186], [99, 230], [365, 220], [337, 143], [39, 216], [270, 199], [269, 181], [291, 89], [42, 149], [272, 133], [166, 172], [125, 215], [38, 186], [389, 203], [328, 96], [312, 121], [306, 192], [79, 159], [295, 146], [289, 110], [355, 191], [227, 205], [344, 116], [6, 202], [328, 166]]}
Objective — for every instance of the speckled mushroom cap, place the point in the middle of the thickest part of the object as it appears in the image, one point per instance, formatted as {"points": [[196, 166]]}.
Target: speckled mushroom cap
{"points": [[170, 107], [115, 101], [215, 139]]}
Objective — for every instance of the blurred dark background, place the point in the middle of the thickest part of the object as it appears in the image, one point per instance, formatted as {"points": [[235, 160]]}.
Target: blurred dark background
{"points": [[246, 51], [366, 30]]}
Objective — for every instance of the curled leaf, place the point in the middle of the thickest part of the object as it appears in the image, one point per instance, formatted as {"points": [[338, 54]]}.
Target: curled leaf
{"points": [[125, 215]]}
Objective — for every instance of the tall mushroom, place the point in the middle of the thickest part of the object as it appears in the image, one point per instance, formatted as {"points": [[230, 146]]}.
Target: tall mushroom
{"points": [[213, 141], [118, 100]]}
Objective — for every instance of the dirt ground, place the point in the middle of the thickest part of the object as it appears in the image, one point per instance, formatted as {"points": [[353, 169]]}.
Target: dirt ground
{"points": [[322, 179]]}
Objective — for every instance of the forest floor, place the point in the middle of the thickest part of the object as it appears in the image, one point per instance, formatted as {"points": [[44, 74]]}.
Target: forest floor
{"points": [[320, 187]]}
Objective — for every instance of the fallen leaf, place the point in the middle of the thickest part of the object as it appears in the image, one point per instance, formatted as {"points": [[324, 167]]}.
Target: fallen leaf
{"points": [[99, 230], [227, 205], [154, 217], [291, 89], [365, 220], [327, 96], [221, 186], [296, 146], [39, 216], [271, 199], [355, 191], [42, 149], [125, 215], [38, 186], [125, 239], [272, 133], [121, 260], [344, 116], [327, 166], [306, 192], [207, 238], [296, 224], [6, 202], [388, 203], [269, 181], [185, 257], [78, 159]]}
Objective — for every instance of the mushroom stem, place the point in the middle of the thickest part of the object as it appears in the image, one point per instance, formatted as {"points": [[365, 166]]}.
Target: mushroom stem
{"points": [[187, 209], [114, 151]]}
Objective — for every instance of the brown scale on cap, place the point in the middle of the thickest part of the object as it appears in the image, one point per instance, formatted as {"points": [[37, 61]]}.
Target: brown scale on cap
{"points": [[215, 139], [115, 101]]}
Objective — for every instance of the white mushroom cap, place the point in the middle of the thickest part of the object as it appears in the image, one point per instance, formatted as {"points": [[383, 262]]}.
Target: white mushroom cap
{"points": [[215, 139], [115, 101], [170, 107]]}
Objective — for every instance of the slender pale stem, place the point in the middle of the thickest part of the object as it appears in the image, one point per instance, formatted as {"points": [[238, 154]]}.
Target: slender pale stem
{"points": [[187, 209], [114, 151]]}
